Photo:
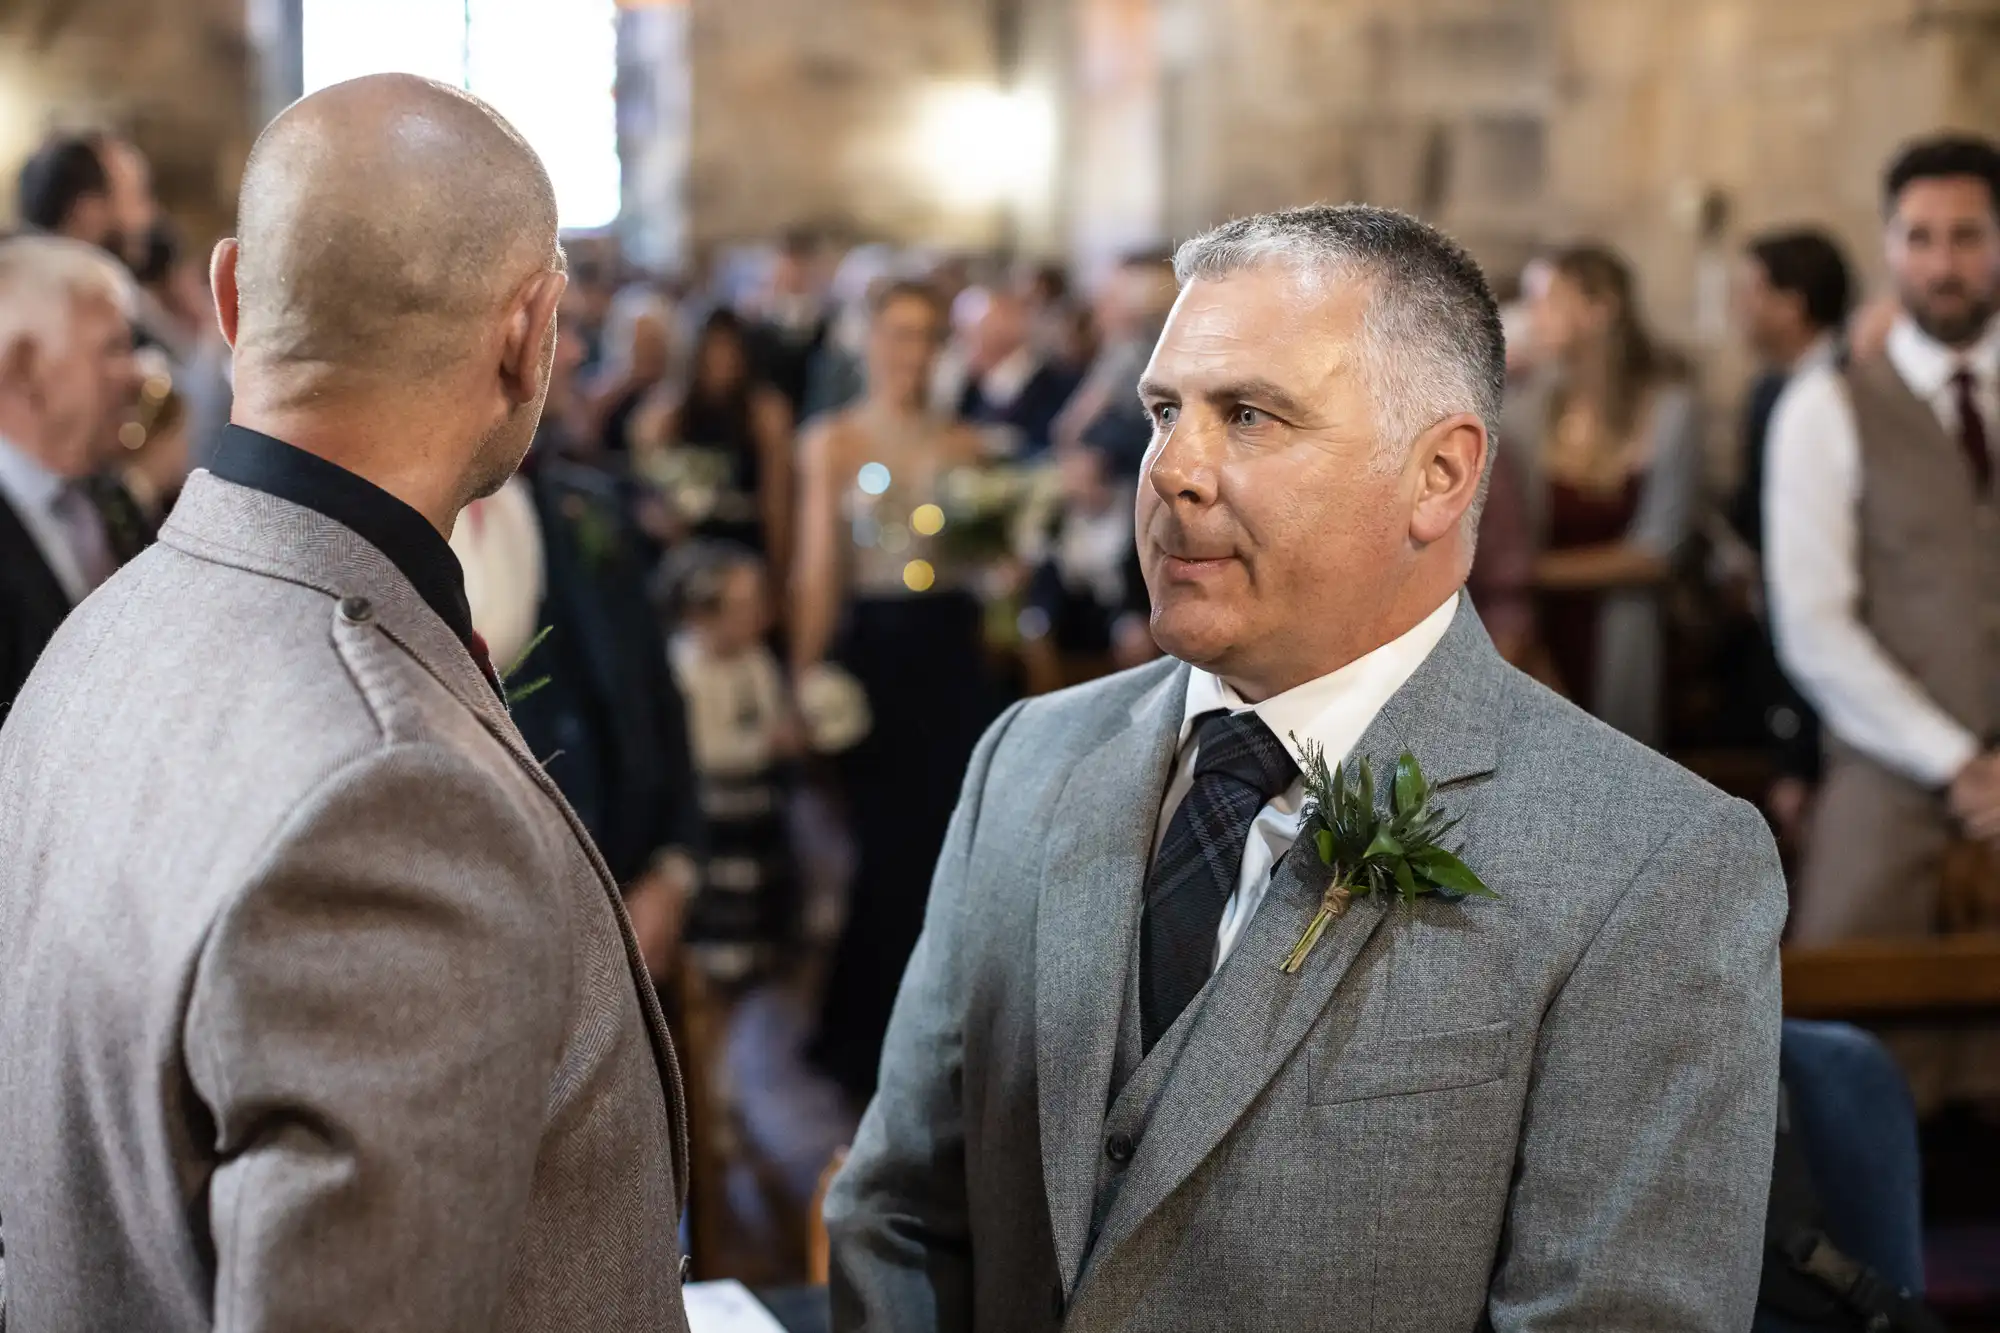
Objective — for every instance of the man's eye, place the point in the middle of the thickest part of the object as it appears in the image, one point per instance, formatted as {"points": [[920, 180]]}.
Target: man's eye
{"points": [[1165, 415], [1247, 417]]}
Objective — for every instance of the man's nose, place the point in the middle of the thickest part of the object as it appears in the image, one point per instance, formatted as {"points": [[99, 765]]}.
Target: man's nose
{"points": [[1183, 466]]}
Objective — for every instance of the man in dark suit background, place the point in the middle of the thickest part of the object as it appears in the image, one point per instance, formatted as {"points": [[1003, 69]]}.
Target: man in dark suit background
{"points": [[1793, 295], [67, 379], [1007, 382]]}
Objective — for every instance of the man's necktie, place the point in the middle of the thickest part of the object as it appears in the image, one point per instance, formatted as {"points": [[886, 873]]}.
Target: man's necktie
{"points": [[1239, 766], [83, 527], [1972, 432]]}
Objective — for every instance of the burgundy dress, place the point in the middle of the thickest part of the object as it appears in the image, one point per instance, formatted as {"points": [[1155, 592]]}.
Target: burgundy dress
{"points": [[1579, 518]]}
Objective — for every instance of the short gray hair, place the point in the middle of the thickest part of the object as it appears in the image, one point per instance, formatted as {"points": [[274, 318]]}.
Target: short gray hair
{"points": [[1431, 341], [43, 277]]}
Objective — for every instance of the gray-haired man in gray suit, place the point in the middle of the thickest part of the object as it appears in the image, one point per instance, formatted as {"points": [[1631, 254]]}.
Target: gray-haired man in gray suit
{"points": [[1105, 1106], [317, 1007]]}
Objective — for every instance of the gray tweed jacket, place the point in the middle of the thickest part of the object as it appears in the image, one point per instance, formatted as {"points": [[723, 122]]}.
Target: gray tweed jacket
{"points": [[1555, 1111], [317, 1008]]}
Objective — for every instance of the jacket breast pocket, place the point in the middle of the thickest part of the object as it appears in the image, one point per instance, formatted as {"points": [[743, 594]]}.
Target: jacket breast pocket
{"points": [[1399, 1066]]}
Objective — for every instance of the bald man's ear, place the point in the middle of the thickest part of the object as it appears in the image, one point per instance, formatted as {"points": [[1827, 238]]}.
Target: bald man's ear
{"points": [[222, 281], [531, 326], [1449, 458]]}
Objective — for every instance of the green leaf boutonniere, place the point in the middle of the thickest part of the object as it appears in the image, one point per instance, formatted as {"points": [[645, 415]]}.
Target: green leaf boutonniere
{"points": [[1372, 853], [516, 693]]}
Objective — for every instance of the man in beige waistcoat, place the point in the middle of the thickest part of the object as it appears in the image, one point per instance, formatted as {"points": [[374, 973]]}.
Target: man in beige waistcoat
{"points": [[1883, 526]]}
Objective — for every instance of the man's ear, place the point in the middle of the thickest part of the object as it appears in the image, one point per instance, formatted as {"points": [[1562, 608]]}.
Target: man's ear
{"points": [[1450, 459], [531, 325], [222, 281]]}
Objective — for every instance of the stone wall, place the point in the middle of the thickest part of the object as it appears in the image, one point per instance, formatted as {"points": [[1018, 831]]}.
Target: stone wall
{"points": [[805, 112], [178, 77]]}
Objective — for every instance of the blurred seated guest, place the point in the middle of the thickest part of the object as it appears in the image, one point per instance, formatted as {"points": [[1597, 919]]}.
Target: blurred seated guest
{"points": [[638, 358], [1086, 598], [67, 382], [1609, 447], [743, 736], [594, 699], [1882, 531], [1792, 296], [789, 319], [880, 589], [1009, 383], [723, 449], [1132, 308]]}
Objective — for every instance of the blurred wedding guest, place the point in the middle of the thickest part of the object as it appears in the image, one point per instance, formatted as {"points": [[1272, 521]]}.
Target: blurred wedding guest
{"points": [[134, 210], [177, 309], [726, 441], [743, 736], [1085, 611], [879, 588], [586, 302], [558, 583], [638, 357], [789, 319], [67, 381], [1882, 537], [65, 190], [321, 1009], [1132, 308], [1608, 446], [1052, 317], [837, 372], [1008, 382], [1793, 292]]}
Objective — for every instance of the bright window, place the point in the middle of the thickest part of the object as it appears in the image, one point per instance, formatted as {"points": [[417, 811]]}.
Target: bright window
{"points": [[552, 77]]}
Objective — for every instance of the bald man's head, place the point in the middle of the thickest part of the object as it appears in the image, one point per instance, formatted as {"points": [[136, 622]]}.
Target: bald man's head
{"points": [[396, 262], [382, 222]]}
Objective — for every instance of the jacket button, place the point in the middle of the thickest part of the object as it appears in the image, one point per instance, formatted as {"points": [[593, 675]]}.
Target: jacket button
{"points": [[356, 610], [1119, 1148], [687, 1269]]}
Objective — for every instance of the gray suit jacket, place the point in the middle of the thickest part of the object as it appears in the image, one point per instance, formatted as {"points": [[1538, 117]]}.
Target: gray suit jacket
{"points": [[317, 1008], [1555, 1111]]}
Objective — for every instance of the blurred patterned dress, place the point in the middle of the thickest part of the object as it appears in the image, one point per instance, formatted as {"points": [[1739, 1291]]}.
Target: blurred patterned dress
{"points": [[912, 635]]}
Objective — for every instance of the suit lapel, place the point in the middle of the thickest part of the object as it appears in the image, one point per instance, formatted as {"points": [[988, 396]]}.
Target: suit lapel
{"points": [[248, 529], [1252, 1017], [1088, 917]]}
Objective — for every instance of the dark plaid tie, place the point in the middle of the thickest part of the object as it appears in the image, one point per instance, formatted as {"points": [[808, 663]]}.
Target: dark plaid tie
{"points": [[1972, 433], [1239, 766]]}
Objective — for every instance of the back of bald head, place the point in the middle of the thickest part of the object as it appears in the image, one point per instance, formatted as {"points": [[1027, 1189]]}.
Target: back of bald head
{"points": [[383, 223]]}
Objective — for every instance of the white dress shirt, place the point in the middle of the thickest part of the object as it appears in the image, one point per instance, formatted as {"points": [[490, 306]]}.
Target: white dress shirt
{"points": [[1333, 711], [1812, 542], [498, 542], [35, 493]]}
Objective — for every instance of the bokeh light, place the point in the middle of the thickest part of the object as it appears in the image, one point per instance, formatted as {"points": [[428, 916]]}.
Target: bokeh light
{"points": [[918, 576], [927, 520], [873, 479]]}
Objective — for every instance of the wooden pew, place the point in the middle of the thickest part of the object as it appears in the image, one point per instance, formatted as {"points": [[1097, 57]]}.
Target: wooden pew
{"points": [[1949, 974]]}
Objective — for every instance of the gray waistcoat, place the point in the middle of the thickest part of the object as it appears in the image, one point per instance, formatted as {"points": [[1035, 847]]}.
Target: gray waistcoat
{"points": [[1930, 549]]}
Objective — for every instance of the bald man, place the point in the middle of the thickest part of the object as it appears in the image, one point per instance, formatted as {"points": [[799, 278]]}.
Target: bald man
{"points": [[317, 1007]]}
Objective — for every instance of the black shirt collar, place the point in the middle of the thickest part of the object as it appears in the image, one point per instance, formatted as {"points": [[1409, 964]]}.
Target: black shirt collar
{"points": [[262, 463]]}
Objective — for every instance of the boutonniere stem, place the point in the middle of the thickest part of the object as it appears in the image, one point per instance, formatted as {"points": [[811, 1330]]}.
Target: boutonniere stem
{"points": [[1370, 852]]}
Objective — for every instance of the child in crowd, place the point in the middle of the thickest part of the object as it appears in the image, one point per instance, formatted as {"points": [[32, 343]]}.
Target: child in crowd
{"points": [[743, 736]]}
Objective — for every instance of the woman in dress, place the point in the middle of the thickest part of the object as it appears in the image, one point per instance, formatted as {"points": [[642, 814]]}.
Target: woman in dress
{"points": [[1610, 463], [877, 591], [728, 441]]}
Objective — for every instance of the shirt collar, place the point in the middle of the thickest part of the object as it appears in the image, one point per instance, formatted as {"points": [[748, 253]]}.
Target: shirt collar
{"points": [[1927, 365], [1335, 710], [399, 532], [1824, 351], [1001, 385], [25, 481]]}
